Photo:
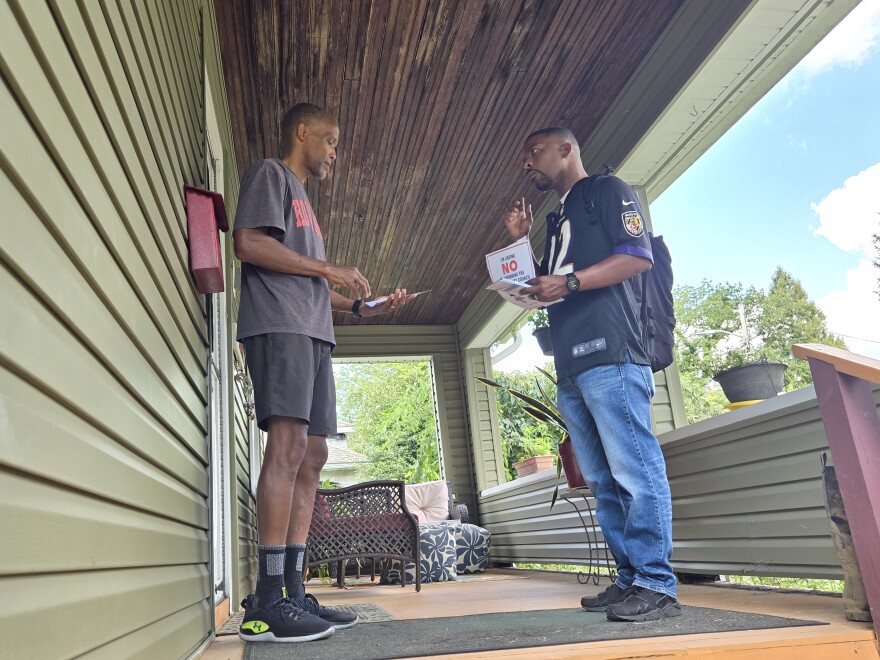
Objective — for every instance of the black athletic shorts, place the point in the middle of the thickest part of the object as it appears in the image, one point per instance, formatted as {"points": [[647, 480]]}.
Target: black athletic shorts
{"points": [[292, 376]]}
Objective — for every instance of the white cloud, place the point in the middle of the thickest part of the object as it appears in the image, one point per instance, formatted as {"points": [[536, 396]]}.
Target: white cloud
{"points": [[849, 216], [855, 311], [849, 44], [797, 143]]}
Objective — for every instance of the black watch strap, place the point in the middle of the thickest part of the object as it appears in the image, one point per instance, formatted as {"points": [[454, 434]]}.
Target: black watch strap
{"points": [[356, 309]]}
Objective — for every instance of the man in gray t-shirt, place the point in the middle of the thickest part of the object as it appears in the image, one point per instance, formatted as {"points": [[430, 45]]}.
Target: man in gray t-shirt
{"points": [[285, 324]]}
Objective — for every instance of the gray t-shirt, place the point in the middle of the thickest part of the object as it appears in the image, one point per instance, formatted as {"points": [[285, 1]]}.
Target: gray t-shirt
{"points": [[272, 197]]}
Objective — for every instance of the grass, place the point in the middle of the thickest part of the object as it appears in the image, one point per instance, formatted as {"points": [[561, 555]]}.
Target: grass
{"points": [[562, 568], [787, 583], [748, 580]]}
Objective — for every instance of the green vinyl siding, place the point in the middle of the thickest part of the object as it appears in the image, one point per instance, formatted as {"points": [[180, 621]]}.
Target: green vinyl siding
{"points": [[104, 475], [483, 419], [747, 498]]}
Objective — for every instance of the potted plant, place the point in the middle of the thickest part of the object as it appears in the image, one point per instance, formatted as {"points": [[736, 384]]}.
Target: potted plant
{"points": [[743, 367], [545, 410], [745, 374], [540, 323], [534, 464]]}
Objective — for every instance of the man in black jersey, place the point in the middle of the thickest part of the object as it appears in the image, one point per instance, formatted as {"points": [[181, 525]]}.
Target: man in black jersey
{"points": [[596, 251]]}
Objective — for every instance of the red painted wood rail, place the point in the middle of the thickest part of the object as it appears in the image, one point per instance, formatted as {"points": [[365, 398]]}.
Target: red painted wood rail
{"points": [[846, 401]]}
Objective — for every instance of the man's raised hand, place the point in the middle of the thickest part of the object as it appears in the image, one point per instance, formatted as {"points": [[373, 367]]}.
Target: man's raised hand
{"points": [[351, 278], [518, 219], [397, 299]]}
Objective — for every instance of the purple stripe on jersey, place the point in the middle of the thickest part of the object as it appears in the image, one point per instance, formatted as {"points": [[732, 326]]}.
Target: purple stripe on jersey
{"points": [[635, 251]]}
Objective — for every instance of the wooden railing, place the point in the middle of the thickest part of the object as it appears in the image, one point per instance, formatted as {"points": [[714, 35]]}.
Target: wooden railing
{"points": [[849, 413]]}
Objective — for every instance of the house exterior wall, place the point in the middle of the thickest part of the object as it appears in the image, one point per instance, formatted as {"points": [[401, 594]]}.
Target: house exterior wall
{"points": [[747, 498], [483, 419], [440, 344], [104, 455]]}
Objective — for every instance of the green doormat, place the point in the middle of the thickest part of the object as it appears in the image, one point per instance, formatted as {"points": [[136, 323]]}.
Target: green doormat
{"points": [[506, 630]]}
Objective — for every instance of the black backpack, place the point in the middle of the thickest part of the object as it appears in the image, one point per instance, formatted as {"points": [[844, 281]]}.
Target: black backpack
{"points": [[657, 296]]}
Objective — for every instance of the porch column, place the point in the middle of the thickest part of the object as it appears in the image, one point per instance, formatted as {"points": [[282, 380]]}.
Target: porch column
{"points": [[482, 413]]}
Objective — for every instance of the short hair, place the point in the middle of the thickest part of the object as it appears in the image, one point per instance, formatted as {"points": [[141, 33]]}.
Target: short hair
{"points": [[558, 131], [307, 113]]}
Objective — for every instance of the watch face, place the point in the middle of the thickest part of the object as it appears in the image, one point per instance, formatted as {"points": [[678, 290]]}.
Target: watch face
{"points": [[572, 282]]}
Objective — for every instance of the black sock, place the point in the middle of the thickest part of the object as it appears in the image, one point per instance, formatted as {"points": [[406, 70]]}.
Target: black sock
{"points": [[270, 583], [294, 570]]}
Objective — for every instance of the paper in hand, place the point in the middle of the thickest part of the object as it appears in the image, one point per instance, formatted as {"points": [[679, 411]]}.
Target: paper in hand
{"points": [[379, 301]]}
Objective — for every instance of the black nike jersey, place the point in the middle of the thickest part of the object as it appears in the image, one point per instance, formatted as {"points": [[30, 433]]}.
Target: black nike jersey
{"points": [[601, 216]]}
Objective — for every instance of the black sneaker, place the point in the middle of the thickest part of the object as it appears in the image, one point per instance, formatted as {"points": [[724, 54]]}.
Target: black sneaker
{"points": [[601, 601], [640, 604], [337, 618], [280, 621]]}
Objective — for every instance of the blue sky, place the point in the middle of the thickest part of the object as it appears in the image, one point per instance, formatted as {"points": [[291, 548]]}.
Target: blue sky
{"points": [[746, 204], [795, 183]]}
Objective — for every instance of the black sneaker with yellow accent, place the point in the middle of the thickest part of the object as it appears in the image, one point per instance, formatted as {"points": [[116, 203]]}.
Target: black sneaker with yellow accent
{"points": [[280, 621], [337, 618]]}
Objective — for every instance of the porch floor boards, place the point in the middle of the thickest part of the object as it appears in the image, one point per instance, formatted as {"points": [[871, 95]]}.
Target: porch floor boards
{"points": [[537, 590]]}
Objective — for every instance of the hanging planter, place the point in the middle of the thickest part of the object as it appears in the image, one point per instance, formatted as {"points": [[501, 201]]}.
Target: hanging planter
{"points": [[541, 331], [545, 342], [752, 382]]}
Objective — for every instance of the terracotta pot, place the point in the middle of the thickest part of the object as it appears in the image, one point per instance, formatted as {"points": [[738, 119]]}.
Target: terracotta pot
{"points": [[533, 465], [570, 466]]}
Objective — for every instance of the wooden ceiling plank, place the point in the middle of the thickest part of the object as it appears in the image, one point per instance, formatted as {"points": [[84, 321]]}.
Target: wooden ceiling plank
{"points": [[434, 98], [386, 90], [564, 73], [410, 160], [500, 91]]}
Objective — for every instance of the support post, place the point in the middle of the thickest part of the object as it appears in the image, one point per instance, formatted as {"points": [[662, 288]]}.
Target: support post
{"points": [[852, 425]]}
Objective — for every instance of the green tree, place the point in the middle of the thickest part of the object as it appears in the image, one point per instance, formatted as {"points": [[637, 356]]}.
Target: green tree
{"points": [[789, 317], [522, 436], [710, 334], [391, 407]]}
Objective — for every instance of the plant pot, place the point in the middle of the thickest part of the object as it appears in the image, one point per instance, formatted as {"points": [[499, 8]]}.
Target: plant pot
{"points": [[533, 465], [570, 466], [752, 382], [545, 342]]}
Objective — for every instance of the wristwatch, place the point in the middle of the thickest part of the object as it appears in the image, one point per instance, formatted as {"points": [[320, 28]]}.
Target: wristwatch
{"points": [[572, 282], [356, 309]]}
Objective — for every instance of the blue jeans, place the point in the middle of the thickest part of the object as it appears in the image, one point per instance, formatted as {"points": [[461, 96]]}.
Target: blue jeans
{"points": [[608, 412]]}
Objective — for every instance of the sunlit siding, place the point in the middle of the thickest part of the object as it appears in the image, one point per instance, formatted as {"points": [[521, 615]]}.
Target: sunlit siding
{"points": [[488, 456], [245, 511], [438, 343], [103, 347], [747, 498]]}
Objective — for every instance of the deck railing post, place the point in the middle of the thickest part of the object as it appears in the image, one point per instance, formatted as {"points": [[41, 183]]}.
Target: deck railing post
{"points": [[852, 425]]}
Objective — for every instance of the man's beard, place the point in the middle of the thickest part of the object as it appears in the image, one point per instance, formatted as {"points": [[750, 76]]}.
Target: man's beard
{"points": [[544, 183]]}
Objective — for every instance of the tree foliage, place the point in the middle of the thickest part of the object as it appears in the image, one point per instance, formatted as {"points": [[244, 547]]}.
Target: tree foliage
{"points": [[522, 436], [710, 336], [391, 407]]}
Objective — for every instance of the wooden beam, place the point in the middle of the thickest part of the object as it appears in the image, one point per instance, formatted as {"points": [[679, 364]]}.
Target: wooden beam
{"points": [[852, 425], [845, 362]]}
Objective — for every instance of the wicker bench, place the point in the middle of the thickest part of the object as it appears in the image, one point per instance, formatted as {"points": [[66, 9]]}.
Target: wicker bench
{"points": [[364, 521]]}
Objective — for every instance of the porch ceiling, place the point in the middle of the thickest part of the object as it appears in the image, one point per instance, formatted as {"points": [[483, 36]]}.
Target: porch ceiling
{"points": [[434, 99]]}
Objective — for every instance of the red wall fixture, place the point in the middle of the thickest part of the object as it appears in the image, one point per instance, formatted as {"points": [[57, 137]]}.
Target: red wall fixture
{"points": [[205, 217]]}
